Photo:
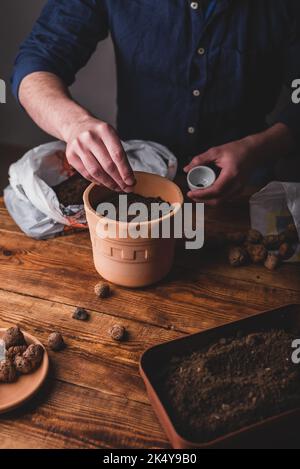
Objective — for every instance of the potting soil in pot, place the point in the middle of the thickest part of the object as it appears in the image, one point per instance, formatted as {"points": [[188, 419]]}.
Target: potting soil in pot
{"points": [[234, 383], [131, 199]]}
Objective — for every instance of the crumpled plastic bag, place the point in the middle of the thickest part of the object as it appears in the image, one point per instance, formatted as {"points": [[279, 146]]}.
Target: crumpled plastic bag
{"points": [[32, 202], [274, 208]]}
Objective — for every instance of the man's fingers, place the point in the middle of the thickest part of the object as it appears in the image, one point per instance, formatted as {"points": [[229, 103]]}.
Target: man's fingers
{"points": [[200, 160], [77, 164], [104, 160], [235, 190], [94, 168], [118, 155]]}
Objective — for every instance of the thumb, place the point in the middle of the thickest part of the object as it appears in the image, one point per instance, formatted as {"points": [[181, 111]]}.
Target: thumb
{"points": [[200, 160]]}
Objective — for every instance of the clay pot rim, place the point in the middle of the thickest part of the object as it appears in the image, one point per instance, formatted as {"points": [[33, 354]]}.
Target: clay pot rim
{"points": [[86, 200]]}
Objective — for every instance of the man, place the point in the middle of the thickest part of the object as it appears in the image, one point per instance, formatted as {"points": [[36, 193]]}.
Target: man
{"points": [[197, 76]]}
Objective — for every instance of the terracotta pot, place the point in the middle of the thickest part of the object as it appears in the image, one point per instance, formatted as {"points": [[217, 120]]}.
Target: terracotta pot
{"points": [[127, 261]]}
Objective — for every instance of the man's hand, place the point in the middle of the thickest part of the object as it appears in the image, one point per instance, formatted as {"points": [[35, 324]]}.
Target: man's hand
{"points": [[95, 151], [238, 160], [93, 147]]}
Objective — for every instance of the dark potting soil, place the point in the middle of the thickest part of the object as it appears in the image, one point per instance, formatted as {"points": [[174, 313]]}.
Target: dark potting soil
{"points": [[70, 192], [136, 198], [234, 383]]}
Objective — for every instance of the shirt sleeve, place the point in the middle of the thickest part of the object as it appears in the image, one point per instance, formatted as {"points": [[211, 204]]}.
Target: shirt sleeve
{"points": [[62, 40], [291, 113]]}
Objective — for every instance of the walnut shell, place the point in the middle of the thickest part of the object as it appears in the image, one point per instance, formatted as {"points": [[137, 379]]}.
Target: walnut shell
{"points": [[254, 237], [272, 261], [7, 372], [272, 242], [34, 353], [257, 253], [13, 336], [102, 290], [23, 365], [56, 341], [117, 332], [286, 251], [12, 352], [238, 256]]}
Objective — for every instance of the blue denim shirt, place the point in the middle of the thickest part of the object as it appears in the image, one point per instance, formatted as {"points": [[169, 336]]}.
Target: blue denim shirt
{"points": [[186, 79]]}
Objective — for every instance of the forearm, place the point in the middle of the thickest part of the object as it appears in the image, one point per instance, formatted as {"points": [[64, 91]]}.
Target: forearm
{"points": [[272, 144], [48, 102]]}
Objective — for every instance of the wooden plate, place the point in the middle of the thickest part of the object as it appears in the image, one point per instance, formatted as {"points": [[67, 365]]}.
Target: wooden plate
{"points": [[15, 394]]}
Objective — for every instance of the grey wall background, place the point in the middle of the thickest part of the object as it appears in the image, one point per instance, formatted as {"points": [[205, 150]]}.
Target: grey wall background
{"points": [[95, 87]]}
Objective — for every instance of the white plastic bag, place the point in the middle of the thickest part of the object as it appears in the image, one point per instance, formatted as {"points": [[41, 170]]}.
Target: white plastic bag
{"points": [[32, 202], [275, 207]]}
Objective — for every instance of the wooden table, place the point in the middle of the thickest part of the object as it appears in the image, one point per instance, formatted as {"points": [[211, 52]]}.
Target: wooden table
{"points": [[94, 397]]}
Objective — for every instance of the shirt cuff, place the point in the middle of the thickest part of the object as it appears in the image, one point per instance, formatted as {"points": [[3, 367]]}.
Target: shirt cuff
{"points": [[290, 116], [28, 66]]}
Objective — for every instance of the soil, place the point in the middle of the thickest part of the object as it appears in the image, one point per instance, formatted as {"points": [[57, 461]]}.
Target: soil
{"points": [[136, 198], [234, 383], [70, 192]]}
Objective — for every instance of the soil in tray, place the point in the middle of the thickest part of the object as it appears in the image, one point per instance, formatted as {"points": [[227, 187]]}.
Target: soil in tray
{"points": [[132, 199], [70, 192], [234, 383]]}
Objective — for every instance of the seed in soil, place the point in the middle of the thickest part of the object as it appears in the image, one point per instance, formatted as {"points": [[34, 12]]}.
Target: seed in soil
{"points": [[118, 332], [102, 290], [80, 314], [56, 341]]}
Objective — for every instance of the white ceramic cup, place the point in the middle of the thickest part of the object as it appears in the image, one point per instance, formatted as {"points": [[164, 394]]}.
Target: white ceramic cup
{"points": [[201, 177]]}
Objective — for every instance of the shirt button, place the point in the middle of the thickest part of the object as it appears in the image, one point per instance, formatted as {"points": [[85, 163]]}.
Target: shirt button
{"points": [[196, 93], [194, 5], [191, 130], [201, 51]]}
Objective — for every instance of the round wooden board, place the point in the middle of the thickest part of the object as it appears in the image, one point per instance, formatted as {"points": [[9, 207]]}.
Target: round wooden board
{"points": [[13, 395]]}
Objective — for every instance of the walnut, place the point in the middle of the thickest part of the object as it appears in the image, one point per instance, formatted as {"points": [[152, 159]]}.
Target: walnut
{"points": [[272, 242], [286, 251], [80, 314], [272, 261], [34, 354], [56, 341], [254, 237], [102, 290], [7, 372], [236, 238], [12, 352], [118, 332], [23, 365], [257, 253], [238, 256], [13, 336]]}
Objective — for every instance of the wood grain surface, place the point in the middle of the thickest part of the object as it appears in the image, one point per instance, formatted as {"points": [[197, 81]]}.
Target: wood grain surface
{"points": [[94, 396]]}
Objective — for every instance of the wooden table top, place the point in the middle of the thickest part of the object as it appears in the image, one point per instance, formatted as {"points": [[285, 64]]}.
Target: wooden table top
{"points": [[95, 397]]}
